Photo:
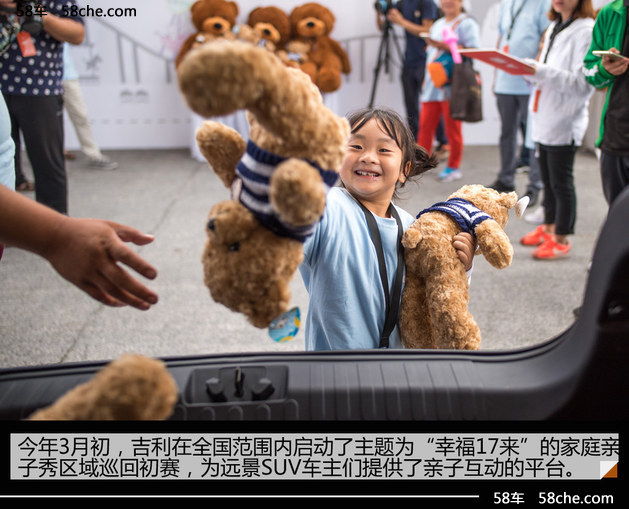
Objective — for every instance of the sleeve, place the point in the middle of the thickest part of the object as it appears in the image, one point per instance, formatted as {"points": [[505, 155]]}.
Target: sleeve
{"points": [[569, 80], [595, 73], [430, 10], [469, 33]]}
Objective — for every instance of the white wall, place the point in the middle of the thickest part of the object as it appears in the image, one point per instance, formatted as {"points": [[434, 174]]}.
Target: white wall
{"points": [[130, 88]]}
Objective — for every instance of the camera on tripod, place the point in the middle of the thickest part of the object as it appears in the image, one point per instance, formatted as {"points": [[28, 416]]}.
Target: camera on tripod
{"points": [[30, 12], [384, 6]]}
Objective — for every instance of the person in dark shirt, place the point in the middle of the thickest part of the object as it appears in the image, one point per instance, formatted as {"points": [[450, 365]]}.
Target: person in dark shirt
{"points": [[415, 17]]}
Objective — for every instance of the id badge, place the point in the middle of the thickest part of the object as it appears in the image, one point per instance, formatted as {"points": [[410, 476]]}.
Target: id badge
{"points": [[25, 41]]}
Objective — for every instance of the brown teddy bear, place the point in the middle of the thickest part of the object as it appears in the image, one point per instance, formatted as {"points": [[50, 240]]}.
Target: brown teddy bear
{"points": [[434, 312], [311, 25], [271, 27], [213, 19], [132, 387], [278, 178]]}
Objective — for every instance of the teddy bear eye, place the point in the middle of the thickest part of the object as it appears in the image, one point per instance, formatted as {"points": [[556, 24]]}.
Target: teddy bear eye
{"points": [[234, 247]]}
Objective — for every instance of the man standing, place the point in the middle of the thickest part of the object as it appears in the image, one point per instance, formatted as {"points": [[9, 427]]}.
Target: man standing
{"points": [[31, 82], [521, 24], [611, 32], [415, 17]]}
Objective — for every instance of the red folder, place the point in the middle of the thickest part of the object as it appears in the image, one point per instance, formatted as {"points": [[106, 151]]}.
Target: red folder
{"points": [[499, 59]]}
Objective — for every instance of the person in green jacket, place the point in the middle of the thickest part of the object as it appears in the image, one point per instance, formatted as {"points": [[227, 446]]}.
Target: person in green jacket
{"points": [[611, 32]]}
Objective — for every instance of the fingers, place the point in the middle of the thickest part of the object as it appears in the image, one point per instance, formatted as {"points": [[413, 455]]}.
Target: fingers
{"points": [[119, 284], [129, 234], [465, 246]]}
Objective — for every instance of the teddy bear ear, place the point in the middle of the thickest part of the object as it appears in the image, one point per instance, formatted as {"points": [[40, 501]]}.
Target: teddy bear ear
{"points": [[521, 205], [508, 200]]}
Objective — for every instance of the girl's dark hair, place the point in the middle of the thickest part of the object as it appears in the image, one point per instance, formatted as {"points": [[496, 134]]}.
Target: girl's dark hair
{"points": [[584, 9], [397, 128]]}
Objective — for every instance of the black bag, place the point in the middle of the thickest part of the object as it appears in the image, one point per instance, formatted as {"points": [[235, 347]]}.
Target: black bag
{"points": [[466, 93]]}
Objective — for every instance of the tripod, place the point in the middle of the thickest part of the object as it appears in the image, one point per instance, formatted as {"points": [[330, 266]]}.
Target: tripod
{"points": [[384, 56]]}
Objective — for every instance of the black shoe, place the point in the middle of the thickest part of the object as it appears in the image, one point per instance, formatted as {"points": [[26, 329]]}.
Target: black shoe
{"points": [[500, 187], [533, 195]]}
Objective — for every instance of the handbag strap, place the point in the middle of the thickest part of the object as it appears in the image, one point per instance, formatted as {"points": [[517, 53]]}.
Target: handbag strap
{"points": [[392, 297], [438, 54]]}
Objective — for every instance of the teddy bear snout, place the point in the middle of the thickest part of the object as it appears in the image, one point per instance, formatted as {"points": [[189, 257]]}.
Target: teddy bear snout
{"points": [[211, 224]]}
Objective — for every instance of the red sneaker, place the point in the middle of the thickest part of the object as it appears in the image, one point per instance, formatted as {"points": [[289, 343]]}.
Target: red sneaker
{"points": [[551, 250], [535, 238]]}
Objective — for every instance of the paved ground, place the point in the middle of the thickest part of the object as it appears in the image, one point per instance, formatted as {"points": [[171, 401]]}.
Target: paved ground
{"points": [[45, 320]]}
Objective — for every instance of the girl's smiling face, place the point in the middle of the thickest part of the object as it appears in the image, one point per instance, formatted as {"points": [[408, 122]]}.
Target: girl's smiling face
{"points": [[373, 166]]}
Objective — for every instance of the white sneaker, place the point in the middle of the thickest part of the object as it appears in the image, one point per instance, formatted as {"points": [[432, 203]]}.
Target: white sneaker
{"points": [[535, 217], [452, 175], [103, 164]]}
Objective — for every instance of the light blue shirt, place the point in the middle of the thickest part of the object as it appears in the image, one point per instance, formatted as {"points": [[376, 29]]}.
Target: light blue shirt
{"points": [[468, 33], [69, 71], [522, 39], [340, 271], [7, 148]]}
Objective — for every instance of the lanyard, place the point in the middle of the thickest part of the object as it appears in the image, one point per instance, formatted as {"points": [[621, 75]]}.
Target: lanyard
{"points": [[558, 28], [392, 298], [514, 16]]}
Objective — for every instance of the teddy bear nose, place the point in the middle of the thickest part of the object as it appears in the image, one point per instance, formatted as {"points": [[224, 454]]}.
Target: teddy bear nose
{"points": [[266, 31], [211, 224]]}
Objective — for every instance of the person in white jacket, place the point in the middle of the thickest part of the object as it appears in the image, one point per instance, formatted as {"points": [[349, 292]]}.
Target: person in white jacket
{"points": [[558, 110]]}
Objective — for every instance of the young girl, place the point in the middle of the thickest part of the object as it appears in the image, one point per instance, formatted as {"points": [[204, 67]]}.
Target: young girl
{"points": [[348, 307]]}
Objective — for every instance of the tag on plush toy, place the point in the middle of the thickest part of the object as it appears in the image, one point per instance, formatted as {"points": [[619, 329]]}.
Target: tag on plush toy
{"points": [[286, 326]]}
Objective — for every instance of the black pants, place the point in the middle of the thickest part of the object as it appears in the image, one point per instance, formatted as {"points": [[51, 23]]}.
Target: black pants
{"points": [[39, 119], [614, 175], [556, 165]]}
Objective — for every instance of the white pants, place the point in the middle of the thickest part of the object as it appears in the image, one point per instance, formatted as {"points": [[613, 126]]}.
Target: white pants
{"points": [[75, 107]]}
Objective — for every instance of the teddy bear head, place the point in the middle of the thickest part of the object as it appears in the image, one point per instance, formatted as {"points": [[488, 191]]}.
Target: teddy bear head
{"points": [[247, 267], [311, 20], [216, 17], [270, 24], [490, 201]]}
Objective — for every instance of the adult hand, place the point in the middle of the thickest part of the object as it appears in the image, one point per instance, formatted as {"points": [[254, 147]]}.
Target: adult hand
{"points": [[615, 66], [395, 16], [465, 247], [88, 253]]}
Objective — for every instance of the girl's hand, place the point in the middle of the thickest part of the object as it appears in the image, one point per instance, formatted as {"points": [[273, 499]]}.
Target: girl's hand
{"points": [[465, 247]]}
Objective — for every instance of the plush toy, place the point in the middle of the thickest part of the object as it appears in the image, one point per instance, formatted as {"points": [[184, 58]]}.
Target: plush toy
{"points": [[311, 24], [271, 27], [212, 19], [132, 387], [278, 178], [434, 312]]}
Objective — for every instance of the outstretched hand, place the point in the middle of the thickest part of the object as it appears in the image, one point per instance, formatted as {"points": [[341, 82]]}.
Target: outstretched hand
{"points": [[465, 247], [89, 254]]}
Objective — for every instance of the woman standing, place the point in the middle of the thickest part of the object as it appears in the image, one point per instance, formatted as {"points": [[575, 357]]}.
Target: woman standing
{"points": [[436, 100], [559, 116]]}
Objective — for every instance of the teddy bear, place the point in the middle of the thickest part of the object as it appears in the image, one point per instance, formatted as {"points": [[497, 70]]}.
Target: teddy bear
{"points": [[311, 25], [212, 19], [133, 387], [271, 27], [278, 178], [434, 308]]}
